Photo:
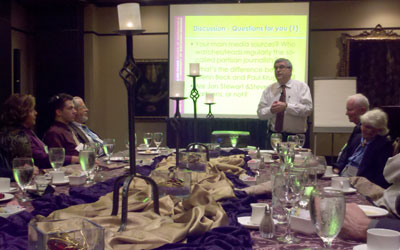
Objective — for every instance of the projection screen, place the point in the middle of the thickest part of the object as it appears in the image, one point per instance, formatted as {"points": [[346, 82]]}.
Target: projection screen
{"points": [[236, 46]]}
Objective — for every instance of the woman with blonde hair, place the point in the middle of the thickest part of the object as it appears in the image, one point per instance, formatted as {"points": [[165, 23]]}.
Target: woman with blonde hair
{"points": [[370, 156]]}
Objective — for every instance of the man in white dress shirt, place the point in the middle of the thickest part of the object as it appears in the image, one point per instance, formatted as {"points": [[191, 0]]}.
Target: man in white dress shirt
{"points": [[288, 98], [81, 118]]}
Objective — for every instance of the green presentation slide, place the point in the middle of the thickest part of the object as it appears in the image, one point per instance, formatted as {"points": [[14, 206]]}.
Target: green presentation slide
{"points": [[236, 56]]}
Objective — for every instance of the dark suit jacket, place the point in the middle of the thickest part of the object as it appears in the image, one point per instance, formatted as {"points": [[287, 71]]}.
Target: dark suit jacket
{"points": [[374, 160], [388, 223], [352, 143]]}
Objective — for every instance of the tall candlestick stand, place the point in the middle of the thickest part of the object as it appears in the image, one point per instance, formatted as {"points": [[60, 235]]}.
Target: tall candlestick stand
{"points": [[194, 95], [130, 73], [209, 115], [176, 124]]}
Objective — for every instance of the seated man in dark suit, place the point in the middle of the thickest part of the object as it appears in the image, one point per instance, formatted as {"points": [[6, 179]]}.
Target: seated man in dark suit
{"points": [[81, 118], [356, 106], [60, 134]]}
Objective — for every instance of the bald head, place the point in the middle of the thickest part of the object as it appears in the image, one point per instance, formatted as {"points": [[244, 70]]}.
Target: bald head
{"points": [[356, 106], [82, 110]]}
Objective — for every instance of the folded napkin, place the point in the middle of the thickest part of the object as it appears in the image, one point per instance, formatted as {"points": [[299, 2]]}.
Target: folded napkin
{"points": [[366, 188], [260, 189]]}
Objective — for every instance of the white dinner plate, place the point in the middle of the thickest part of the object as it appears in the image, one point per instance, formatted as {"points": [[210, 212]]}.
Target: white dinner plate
{"points": [[10, 210], [144, 148], [372, 211], [268, 151], [7, 197], [148, 153], [360, 247], [329, 176], [245, 221], [11, 190], [119, 158], [345, 191], [65, 181]]}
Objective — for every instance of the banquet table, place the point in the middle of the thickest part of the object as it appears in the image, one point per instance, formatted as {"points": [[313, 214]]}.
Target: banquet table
{"points": [[13, 230]]}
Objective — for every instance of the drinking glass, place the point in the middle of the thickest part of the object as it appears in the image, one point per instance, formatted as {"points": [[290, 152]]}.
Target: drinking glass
{"points": [[286, 153], [278, 212], [23, 173], [158, 138], [96, 147], [56, 157], [288, 190], [327, 211], [275, 139], [87, 159], [321, 165], [108, 148], [302, 140], [234, 140], [148, 139], [41, 184], [293, 141]]}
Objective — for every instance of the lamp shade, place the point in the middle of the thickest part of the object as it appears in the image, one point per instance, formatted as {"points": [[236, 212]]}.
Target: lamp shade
{"points": [[129, 16]]}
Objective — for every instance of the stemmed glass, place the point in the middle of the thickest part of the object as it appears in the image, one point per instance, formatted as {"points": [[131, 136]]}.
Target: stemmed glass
{"points": [[148, 139], [275, 139], [108, 148], [96, 147], [302, 140], [87, 158], [293, 141], [158, 138], [56, 157], [23, 174], [234, 140], [327, 211], [288, 189]]}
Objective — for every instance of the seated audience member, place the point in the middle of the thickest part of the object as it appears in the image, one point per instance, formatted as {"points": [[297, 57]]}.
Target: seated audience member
{"points": [[60, 134], [356, 223], [370, 156], [17, 137], [81, 118], [356, 106], [391, 172]]}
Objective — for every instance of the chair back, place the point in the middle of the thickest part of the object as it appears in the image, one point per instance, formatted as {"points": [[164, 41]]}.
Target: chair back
{"points": [[396, 146]]}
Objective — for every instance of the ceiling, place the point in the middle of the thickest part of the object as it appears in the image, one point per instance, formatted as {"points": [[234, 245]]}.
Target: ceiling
{"points": [[142, 2]]}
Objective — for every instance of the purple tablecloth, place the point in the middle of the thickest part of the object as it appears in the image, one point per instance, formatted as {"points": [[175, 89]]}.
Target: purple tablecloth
{"points": [[14, 230]]}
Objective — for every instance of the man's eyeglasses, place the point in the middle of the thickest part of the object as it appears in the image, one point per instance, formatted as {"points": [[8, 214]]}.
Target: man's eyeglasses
{"points": [[281, 67]]}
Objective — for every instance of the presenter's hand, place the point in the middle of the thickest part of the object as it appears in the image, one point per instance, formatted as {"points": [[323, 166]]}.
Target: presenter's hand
{"points": [[278, 107]]}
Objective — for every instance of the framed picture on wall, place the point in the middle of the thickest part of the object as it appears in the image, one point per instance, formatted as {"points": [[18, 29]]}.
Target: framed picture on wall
{"points": [[152, 88]]}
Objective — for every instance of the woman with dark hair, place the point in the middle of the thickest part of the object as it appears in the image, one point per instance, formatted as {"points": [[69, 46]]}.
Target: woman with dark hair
{"points": [[17, 139]]}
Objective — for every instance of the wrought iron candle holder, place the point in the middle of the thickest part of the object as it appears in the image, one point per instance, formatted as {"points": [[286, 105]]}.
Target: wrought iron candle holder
{"points": [[194, 95], [130, 73], [209, 115], [176, 124]]}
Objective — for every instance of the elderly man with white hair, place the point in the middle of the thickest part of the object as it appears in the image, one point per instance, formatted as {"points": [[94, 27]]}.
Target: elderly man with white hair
{"points": [[356, 106], [374, 148]]}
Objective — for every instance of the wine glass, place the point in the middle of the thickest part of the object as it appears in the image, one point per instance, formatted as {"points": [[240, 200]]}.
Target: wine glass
{"points": [[158, 138], [293, 141], [288, 191], [275, 139], [108, 148], [234, 140], [321, 164], [148, 139], [327, 211], [87, 159], [56, 157], [96, 147], [302, 140], [23, 173]]}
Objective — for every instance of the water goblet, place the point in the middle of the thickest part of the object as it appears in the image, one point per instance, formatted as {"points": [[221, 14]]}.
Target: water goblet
{"points": [[288, 191], [23, 173], [56, 158], [275, 139], [41, 184], [158, 138], [87, 159], [234, 140], [293, 141], [327, 211], [148, 139], [302, 140], [108, 148]]}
